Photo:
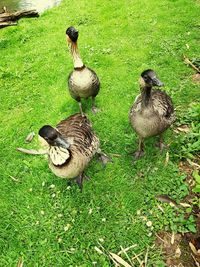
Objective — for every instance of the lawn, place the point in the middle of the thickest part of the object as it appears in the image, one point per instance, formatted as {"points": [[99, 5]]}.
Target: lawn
{"points": [[44, 220]]}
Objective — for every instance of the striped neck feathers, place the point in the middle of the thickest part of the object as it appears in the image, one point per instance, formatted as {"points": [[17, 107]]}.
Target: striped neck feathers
{"points": [[145, 92], [59, 155], [78, 63]]}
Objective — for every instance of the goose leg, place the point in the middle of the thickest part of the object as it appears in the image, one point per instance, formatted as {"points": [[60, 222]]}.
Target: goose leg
{"points": [[80, 178], [79, 181], [81, 110], [160, 144], [140, 152], [94, 108]]}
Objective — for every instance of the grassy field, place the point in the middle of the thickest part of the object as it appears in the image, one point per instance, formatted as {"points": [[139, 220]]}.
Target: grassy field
{"points": [[45, 221]]}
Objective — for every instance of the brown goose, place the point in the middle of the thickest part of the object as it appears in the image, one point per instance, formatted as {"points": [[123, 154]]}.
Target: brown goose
{"points": [[82, 81], [152, 112], [71, 146]]}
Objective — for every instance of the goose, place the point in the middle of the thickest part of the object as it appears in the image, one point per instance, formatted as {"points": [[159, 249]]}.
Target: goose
{"points": [[83, 82], [152, 111], [71, 146]]}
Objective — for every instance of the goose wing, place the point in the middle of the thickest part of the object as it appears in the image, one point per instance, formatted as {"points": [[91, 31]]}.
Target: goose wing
{"points": [[95, 82], [162, 104], [77, 129]]}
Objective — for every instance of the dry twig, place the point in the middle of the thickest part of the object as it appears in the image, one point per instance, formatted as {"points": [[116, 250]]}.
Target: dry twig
{"points": [[146, 257], [119, 259], [138, 259], [20, 263], [13, 178], [32, 151], [187, 61], [126, 249], [196, 262]]}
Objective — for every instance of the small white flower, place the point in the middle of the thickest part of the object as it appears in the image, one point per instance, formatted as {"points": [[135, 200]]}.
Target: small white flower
{"points": [[43, 183], [59, 240], [138, 212], [104, 219], [98, 250], [31, 189], [149, 234], [101, 240], [149, 223], [144, 218], [59, 215], [52, 186], [90, 211], [53, 195], [67, 227], [188, 47], [42, 212], [69, 187]]}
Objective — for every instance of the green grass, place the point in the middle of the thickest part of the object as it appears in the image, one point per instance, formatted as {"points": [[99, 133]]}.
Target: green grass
{"points": [[119, 39]]}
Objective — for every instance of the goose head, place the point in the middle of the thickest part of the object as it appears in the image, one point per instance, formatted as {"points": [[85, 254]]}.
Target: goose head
{"points": [[53, 137], [59, 148], [150, 79], [72, 35]]}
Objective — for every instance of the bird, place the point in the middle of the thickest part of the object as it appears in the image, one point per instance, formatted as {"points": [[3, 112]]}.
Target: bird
{"points": [[152, 111], [83, 82], [71, 146]]}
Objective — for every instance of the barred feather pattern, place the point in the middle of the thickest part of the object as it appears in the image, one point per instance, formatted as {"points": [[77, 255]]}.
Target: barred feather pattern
{"points": [[154, 118], [84, 144], [83, 83]]}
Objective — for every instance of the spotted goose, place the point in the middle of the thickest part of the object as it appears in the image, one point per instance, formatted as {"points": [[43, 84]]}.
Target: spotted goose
{"points": [[82, 81], [71, 146], [152, 112]]}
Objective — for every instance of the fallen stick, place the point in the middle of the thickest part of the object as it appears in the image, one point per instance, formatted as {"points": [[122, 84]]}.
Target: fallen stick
{"points": [[6, 24], [13, 178], [127, 256], [146, 257], [10, 19], [126, 249], [7, 16], [187, 61], [32, 151]]}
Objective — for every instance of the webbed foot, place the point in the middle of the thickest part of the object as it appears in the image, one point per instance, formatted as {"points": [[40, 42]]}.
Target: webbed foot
{"points": [[95, 110], [161, 145], [104, 158], [138, 154]]}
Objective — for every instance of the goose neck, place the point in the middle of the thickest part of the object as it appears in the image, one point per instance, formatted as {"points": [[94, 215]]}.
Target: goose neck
{"points": [[78, 63], [146, 95]]}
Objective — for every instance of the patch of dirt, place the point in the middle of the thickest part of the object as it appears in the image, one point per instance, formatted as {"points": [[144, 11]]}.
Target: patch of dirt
{"points": [[196, 78], [188, 167], [176, 248]]}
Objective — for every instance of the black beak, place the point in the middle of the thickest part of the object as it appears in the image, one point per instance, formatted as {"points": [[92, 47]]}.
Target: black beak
{"points": [[157, 82]]}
